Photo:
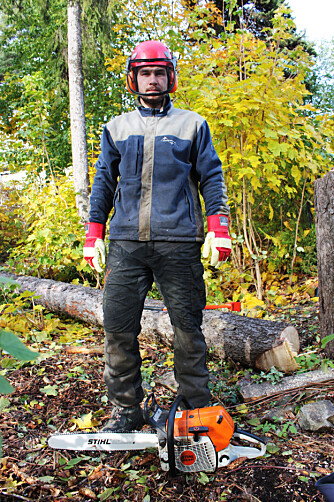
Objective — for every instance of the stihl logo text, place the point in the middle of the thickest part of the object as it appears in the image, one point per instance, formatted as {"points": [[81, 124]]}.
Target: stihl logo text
{"points": [[99, 441]]}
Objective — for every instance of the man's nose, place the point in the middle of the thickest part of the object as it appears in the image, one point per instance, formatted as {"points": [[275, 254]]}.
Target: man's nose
{"points": [[153, 79]]}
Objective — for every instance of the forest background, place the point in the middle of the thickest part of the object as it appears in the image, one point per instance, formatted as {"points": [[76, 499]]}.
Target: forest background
{"points": [[265, 91]]}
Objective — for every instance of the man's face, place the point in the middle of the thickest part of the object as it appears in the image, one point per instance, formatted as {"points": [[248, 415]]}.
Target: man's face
{"points": [[152, 79]]}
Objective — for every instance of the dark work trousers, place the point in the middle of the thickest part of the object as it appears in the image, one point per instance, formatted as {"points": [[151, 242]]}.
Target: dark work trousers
{"points": [[177, 270]]}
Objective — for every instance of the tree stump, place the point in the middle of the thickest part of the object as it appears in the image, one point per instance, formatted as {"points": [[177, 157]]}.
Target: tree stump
{"points": [[252, 342], [324, 218]]}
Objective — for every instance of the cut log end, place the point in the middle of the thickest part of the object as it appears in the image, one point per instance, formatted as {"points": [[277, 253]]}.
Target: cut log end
{"points": [[282, 356]]}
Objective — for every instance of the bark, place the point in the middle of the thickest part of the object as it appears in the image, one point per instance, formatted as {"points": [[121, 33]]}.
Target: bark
{"points": [[324, 218], [77, 110], [251, 342]]}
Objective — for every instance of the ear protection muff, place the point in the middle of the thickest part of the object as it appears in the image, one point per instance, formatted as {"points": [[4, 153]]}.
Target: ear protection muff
{"points": [[131, 82], [172, 79]]}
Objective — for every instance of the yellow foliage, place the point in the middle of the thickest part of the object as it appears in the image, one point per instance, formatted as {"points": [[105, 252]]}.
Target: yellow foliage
{"points": [[281, 300], [249, 302], [242, 408], [18, 324], [264, 138], [252, 94], [85, 422], [287, 225], [53, 236], [169, 361]]}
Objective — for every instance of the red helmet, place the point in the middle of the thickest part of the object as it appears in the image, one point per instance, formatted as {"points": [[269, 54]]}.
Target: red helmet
{"points": [[150, 53]]}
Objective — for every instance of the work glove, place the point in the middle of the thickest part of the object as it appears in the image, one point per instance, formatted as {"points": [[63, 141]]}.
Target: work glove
{"points": [[94, 250], [217, 240]]}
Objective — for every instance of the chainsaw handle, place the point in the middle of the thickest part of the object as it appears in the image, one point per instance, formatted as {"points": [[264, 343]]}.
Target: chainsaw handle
{"points": [[262, 440], [170, 431], [150, 406], [155, 416]]}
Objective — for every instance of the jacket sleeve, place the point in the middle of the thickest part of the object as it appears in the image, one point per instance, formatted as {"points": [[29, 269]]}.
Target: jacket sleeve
{"points": [[105, 180], [209, 172]]}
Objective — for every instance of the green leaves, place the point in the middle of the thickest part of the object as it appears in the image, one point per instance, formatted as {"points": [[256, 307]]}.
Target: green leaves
{"points": [[5, 386], [326, 340], [7, 281], [74, 461], [272, 448], [50, 390], [203, 479], [106, 495], [11, 344]]}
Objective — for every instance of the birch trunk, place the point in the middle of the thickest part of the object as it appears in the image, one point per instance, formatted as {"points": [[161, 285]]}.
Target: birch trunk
{"points": [[77, 110]]}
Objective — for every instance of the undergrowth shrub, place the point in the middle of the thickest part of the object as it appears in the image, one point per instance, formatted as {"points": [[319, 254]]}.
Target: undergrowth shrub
{"points": [[52, 237], [10, 222]]}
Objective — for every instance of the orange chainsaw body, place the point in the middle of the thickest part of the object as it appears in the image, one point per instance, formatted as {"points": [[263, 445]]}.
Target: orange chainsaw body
{"points": [[213, 422]]}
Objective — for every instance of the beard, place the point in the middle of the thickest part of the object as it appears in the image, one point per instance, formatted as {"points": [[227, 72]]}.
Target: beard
{"points": [[153, 101]]}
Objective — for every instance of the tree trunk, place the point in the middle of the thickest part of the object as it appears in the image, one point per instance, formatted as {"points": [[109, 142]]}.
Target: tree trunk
{"points": [[77, 110], [251, 342], [324, 218]]}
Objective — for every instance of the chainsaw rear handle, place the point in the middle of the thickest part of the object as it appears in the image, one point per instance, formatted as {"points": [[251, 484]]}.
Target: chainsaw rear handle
{"points": [[170, 431]]}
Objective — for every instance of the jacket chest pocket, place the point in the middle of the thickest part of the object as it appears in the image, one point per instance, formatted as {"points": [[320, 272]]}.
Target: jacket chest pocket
{"points": [[131, 157]]}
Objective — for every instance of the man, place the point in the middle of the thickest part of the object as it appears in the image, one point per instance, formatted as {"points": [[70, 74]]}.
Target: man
{"points": [[153, 163]]}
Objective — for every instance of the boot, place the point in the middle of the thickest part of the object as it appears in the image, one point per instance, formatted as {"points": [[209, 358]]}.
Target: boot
{"points": [[125, 419]]}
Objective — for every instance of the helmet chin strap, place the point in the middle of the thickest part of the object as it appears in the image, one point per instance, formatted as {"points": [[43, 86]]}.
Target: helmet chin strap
{"points": [[151, 94]]}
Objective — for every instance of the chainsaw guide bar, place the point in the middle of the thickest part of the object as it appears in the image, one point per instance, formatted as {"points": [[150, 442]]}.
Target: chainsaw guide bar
{"points": [[104, 441]]}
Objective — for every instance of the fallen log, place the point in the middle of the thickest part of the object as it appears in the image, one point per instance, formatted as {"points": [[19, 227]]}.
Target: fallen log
{"points": [[252, 342], [251, 391]]}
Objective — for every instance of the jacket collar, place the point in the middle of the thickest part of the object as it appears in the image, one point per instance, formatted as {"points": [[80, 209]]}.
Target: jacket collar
{"points": [[154, 112]]}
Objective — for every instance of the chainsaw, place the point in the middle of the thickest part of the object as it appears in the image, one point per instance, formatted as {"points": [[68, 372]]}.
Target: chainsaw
{"points": [[189, 440]]}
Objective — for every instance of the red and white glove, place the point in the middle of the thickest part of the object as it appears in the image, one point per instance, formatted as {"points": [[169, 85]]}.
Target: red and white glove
{"points": [[217, 240], [94, 250]]}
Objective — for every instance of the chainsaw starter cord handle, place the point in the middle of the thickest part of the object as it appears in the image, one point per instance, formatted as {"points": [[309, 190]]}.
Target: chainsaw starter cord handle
{"points": [[170, 431]]}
